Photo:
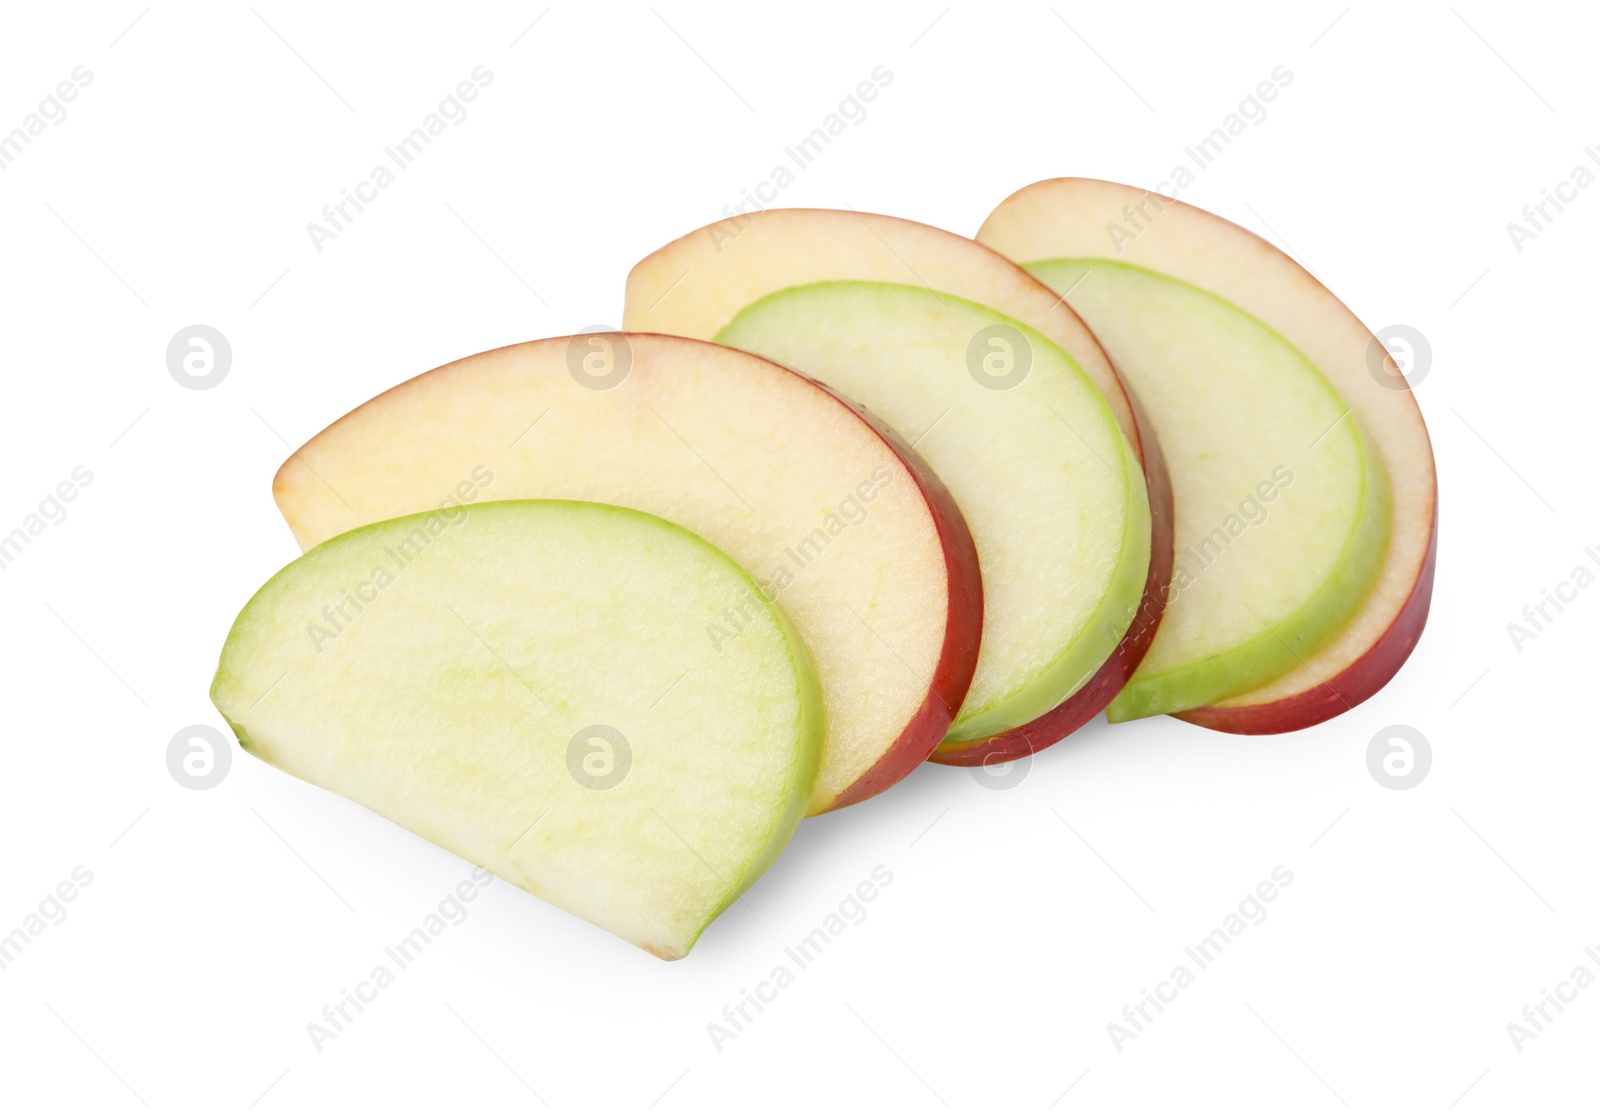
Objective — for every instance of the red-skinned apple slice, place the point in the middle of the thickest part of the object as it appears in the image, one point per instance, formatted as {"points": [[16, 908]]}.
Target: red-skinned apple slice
{"points": [[1073, 218], [839, 522], [697, 284]]}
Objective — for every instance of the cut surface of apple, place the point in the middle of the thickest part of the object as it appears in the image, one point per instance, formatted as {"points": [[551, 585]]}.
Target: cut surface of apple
{"points": [[1281, 508], [528, 684], [1030, 450], [1088, 220], [851, 533], [695, 286]]}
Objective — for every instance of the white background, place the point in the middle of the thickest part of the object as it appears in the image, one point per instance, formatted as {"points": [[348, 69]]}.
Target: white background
{"points": [[1019, 921]]}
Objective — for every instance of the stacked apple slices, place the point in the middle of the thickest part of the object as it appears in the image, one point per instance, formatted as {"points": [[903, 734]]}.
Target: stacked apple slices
{"points": [[994, 380], [610, 614], [847, 530], [1303, 477]]}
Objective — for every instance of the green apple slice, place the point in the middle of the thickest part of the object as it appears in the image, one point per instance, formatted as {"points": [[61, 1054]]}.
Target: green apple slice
{"points": [[529, 685], [1050, 488], [1281, 503]]}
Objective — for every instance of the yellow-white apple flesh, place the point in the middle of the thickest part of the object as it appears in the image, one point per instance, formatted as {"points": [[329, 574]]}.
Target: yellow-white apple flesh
{"points": [[850, 532]]}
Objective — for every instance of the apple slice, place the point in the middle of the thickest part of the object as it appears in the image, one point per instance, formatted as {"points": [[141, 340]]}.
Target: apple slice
{"points": [[853, 533], [528, 684], [1030, 450], [1088, 220], [698, 283], [1281, 509]]}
